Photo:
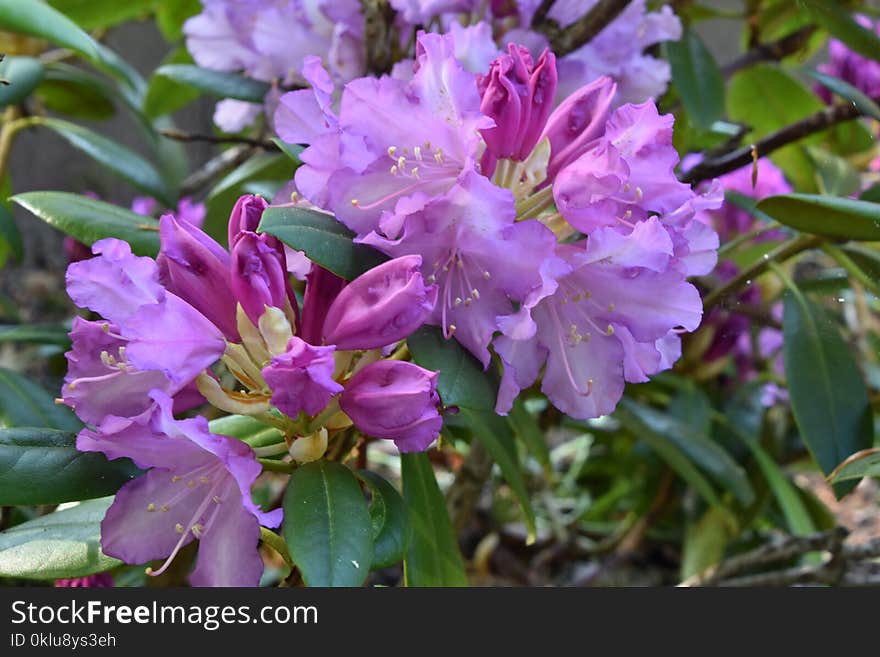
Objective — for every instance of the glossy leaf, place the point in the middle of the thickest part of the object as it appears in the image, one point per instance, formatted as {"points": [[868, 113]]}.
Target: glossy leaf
{"points": [[62, 544], [829, 216], [122, 161], [23, 75], [697, 78], [327, 525], [462, 381], [25, 404], [391, 528], [89, 220], [828, 394], [216, 83], [43, 466], [433, 557], [323, 239]]}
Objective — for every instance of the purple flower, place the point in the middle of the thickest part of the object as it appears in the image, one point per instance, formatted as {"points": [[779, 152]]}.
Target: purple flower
{"points": [[302, 378], [479, 258], [859, 71], [322, 287], [395, 400], [519, 95], [607, 311], [197, 487], [380, 307], [259, 274], [196, 268], [245, 216]]}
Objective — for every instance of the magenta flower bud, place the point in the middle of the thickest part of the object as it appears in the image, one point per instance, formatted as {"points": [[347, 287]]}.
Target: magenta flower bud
{"points": [[259, 274], [577, 122], [381, 306], [245, 216], [196, 268], [302, 378], [396, 400], [322, 287], [518, 95]]}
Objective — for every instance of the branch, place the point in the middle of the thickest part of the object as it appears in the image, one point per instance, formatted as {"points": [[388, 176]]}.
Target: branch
{"points": [[569, 39], [771, 52], [228, 159], [822, 120], [179, 135], [539, 18]]}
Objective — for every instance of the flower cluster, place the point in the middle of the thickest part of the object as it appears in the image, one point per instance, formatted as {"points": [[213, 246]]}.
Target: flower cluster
{"points": [[202, 323], [271, 40], [553, 226]]}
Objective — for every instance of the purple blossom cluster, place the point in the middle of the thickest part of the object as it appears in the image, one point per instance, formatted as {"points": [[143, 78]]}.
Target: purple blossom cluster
{"points": [[553, 227], [200, 323], [270, 41]]}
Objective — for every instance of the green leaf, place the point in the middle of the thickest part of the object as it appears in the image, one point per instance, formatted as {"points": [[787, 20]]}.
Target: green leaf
{"points": [[391, 529], [76, 92], [528, 431], [655, 426], [327, 525], [848, 92], [216, 83], [290, 150], [89, 220], [494, 432], [253, 167], [43, 466], [62, 544], [25, 404], [53, 334], [323, 239], [40, 20], [829, 398], [166, 95], [462, 381], [125, 163], [783, 100], [23, 75], [867, 258], [705, 541], [249, 429], [96, 14], [832, 17], [10, 236], [862, 464], [829, 216], [172, 14], [697, 78], [835, 175], [433, 557]]}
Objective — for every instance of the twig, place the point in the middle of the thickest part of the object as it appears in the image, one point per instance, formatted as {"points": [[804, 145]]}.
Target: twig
{"points": [[179, 135], [771, 52], [228, 159], [582, 31], [779, 254], [539, 18], [741, 157]]}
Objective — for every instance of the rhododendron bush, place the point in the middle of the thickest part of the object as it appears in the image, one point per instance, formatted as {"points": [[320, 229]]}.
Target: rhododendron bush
{"points": [[460, 292]]}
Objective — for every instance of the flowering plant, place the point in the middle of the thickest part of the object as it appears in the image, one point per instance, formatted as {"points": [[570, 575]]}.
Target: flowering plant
{"points": [[439, 236]]}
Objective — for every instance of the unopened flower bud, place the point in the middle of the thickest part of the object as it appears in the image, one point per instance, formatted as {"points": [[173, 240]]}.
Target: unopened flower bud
{"points": [[245, 216], [259, 275]]}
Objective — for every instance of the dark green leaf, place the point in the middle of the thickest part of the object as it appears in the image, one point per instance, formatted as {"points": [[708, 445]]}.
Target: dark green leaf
{"points": [[25, 404], [23, 75], [462, 381], [76, 92], [497, 437], [697, 78], [89, 220], [62, 544], [40, 20], [391, 530], [653, 425], [866, 257], [433, 557], [10, 236], [828, 395], [848, 92], [125, 163], [327, 525], [323, 239], [53, 334], [828, 216], [43, 466], [216, 83], [834, 18]]}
